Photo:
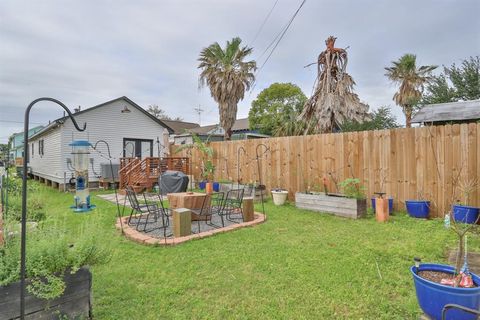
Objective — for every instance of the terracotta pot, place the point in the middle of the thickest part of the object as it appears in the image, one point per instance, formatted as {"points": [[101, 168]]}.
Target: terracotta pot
{"points": [[381, 209], [209, 187]]}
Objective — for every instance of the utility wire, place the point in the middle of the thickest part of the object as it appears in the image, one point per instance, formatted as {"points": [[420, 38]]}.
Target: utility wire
{"points": [[282, 35], [263, 23], [277, 40]]}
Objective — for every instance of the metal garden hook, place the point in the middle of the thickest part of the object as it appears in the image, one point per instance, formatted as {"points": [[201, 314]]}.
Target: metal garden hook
{"points": [[260, 175], [23, 248], [238, 164], [113, 178]]}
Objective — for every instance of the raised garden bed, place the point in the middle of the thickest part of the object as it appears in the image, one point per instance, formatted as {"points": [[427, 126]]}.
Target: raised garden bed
{"points": [[336, 204], [74, 303], [249, 191]]}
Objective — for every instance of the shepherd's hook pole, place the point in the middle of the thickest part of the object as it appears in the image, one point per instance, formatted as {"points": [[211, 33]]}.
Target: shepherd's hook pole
{"points": [[113, 179], [238, 164], [260, 176], [23, 249]]}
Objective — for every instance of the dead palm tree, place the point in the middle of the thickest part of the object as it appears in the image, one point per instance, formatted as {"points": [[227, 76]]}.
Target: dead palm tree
{"points": [[333, 101], [411, 80], [228, 76]]}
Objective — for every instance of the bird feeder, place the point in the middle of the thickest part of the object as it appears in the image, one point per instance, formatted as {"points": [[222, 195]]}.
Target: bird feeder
{"points": [[80, 154]]}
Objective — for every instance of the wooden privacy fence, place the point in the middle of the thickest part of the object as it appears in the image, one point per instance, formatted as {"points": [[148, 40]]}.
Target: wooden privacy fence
{"points": [[404, 163]]}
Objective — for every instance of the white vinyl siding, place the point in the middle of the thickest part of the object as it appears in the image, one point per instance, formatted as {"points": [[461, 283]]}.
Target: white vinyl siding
{"points": [[103, 123], [49, 164]]}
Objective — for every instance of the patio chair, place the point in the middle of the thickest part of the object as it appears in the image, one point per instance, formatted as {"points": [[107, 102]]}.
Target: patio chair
{"points": [[212, 204], [158, 197], [147, 209], [232, 205]]}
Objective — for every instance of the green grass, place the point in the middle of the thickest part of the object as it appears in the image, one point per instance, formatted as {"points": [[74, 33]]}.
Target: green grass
{"points": [[297, 265]]}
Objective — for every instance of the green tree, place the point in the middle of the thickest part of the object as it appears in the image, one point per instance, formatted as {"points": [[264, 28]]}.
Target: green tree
{"points": [[382, 118], [455, 83], [275, 107], [159, 113], [228, 76], [411, 80]]}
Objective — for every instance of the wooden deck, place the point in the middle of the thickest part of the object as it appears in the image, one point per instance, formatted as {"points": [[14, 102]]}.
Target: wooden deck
{"points": [[143, 174]]}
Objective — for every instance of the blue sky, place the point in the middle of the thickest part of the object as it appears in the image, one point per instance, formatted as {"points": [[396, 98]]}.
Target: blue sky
{"points": [[88, 52]]}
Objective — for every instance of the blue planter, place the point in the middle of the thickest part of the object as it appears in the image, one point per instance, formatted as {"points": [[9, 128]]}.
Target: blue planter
{"points": [[390, 205], [465, 214], [202, 185], [216, 186], [432, 297], [418, 208]]}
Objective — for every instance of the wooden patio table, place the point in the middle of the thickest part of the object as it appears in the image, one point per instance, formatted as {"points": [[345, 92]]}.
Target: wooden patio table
{"points": [[189, 200]]}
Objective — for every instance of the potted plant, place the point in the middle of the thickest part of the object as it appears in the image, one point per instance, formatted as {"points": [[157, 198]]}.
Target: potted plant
{"points": [[279, 196], [351, 203], [207, 168], [418, 208], [463, 212], [437, 285]]}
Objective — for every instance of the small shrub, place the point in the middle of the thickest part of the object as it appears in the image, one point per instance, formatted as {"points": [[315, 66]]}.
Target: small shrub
{"points": [[49, 255], [352, 188]]}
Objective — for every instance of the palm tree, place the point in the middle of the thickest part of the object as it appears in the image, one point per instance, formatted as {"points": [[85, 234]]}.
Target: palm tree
{"points": [[333, 101], [411, 80], [228, 76]]}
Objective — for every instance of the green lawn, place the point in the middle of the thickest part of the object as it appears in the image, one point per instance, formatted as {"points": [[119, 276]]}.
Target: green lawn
{"points": [[297, 265]]}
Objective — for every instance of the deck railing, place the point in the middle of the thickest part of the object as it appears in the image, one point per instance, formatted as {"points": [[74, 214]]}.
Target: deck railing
{"points": [[144, 173]]}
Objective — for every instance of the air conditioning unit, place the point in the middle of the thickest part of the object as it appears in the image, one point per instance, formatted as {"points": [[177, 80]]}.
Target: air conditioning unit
{"points": [[106, 171]]}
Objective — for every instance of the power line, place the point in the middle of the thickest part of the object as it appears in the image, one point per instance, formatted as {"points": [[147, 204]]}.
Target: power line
{"points": [[278, 38], [282, 35], [263, 23]]}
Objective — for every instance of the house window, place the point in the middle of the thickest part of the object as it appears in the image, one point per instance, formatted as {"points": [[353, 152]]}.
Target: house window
{"points": [[137, 148], [33, 149], [40, 147]]}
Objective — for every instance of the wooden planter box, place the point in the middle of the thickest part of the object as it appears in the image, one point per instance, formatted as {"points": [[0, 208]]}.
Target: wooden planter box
{"points": [[76, 301], [336, 204], [255, 194]]}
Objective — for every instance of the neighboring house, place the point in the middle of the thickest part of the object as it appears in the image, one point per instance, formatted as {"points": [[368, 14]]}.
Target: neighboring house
{"points": [[129, 130], [179, 127], [215, 132], [451, 112], [16, 147]]}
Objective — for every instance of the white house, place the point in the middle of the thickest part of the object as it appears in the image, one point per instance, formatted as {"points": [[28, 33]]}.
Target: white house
{"points": [[128, 129]]}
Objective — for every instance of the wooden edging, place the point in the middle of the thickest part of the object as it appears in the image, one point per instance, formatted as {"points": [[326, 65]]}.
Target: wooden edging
{"points": [[142, 238]]}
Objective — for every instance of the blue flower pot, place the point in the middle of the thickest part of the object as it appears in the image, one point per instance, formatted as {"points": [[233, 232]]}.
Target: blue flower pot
{"points": [[202, 185], [465, 214], [432, 297], [418, 208], [216, 186], [390, 205]]}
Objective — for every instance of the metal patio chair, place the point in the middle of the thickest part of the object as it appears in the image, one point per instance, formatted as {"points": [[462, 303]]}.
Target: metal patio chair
{"points": [[212, 204], [232, 205], [147, 209], [158, 197]]}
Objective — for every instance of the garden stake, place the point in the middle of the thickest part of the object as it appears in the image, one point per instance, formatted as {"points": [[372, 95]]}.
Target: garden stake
{"points": [[260, 177], [23, 247], [238, 164], [113, 178]]}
